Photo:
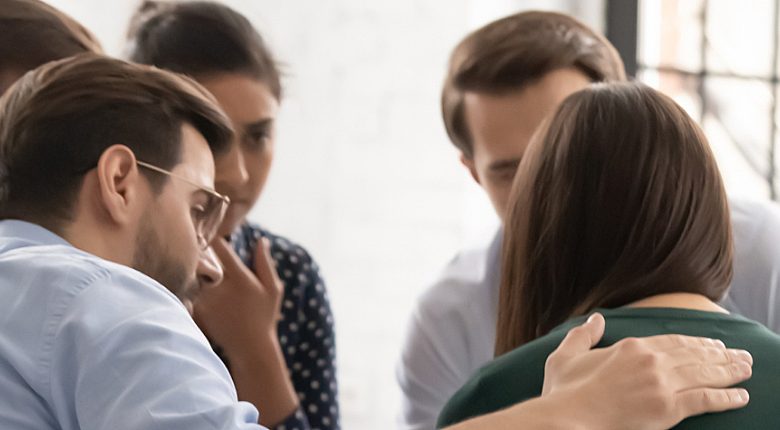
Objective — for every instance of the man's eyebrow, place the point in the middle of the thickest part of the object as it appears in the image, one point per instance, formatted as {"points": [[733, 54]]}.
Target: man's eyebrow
{"points": [[511, 163]]}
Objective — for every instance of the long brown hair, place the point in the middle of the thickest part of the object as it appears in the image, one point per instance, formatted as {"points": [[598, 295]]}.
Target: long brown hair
{"points": [[516, 51], [619, 198]]}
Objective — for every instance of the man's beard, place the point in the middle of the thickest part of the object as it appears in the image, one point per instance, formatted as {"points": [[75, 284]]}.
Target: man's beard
{"points": [[153, 258]]}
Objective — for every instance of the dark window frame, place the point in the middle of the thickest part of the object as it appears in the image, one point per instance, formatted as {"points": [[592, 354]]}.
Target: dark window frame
{"points": [[622, 30]]}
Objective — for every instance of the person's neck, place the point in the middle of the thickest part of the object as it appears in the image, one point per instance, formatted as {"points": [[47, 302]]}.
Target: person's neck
{"points": [[105, 243], [679, 300]]}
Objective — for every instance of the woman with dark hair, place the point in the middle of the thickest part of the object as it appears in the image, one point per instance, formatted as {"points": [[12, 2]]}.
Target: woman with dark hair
{"points": [[618, 206], [35, 33], [278, 345]]}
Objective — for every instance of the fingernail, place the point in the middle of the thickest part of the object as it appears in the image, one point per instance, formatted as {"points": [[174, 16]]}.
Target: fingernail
{"points": [[591, 318], [741, 355], [744, 397]]}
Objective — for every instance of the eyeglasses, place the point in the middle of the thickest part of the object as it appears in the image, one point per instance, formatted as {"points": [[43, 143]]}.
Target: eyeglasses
{"points": [[206, 218]]}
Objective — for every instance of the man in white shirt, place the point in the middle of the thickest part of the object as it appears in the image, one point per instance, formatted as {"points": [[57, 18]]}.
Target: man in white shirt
{"points": [[503, 80]]}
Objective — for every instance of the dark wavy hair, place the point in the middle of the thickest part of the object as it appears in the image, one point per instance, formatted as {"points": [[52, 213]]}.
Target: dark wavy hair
{"points": [[200, 38], [34, 33]]}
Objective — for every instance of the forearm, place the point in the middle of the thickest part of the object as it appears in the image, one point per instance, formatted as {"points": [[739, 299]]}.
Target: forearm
{"points": [[542, 413], [261, 377]]}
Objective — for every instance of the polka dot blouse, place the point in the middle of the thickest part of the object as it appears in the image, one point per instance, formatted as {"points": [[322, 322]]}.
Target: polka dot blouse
{"points": [[305, 330]]}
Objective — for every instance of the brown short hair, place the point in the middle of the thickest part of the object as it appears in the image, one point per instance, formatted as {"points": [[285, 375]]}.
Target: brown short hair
{"points": [[515, 51], [57, 120], [35, 33], [200, 38], [620, 199]]}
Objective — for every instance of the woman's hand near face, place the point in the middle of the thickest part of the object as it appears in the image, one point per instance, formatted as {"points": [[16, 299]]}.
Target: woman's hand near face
{"points": [[244, 304], [241, 315]]}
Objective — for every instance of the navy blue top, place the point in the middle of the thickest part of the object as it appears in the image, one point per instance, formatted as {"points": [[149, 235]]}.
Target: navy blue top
{"points": [[305, 330]]}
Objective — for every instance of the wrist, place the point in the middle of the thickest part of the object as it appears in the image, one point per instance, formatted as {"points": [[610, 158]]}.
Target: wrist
{"points": [[255, 350], [573, 412]]}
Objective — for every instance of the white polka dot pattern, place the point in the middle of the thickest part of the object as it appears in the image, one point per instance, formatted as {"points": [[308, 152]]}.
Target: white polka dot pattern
{"points": [[305, 330]]}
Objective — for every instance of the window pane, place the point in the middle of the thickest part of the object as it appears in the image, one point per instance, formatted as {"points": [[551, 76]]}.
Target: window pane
{"points": [[670, 33], [683, 88], [740, 37], [776, 160], [737, 123]]}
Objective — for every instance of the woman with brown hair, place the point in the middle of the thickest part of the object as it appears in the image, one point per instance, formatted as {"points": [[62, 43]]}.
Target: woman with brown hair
{"points": [[277, 338], [618, 206]]}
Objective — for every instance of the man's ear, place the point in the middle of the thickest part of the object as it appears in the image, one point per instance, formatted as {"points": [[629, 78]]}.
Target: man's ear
{"points": [[119, 183], [469, 163]]}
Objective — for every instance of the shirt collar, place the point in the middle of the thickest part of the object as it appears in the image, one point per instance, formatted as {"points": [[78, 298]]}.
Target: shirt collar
{"points": [[16, 229]]}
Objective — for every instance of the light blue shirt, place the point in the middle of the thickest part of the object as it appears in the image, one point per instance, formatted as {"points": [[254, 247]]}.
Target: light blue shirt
{"points": [[90, 344]]}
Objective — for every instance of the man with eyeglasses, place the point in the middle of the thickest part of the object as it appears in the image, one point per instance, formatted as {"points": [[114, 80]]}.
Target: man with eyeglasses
{"points": [[207, 215], [106, 207]]}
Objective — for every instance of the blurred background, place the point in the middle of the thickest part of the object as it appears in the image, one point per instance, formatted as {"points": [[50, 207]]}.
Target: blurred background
{"points": [[364, 174]]}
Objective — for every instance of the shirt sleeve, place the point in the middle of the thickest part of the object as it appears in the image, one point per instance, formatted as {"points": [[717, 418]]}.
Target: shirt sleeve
{"points": [[126, 355], [451, 334], [427, 372], [754, 288]]}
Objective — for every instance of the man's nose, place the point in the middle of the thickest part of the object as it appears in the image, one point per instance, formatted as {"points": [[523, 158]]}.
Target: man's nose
{"points": [[209, 269]]}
